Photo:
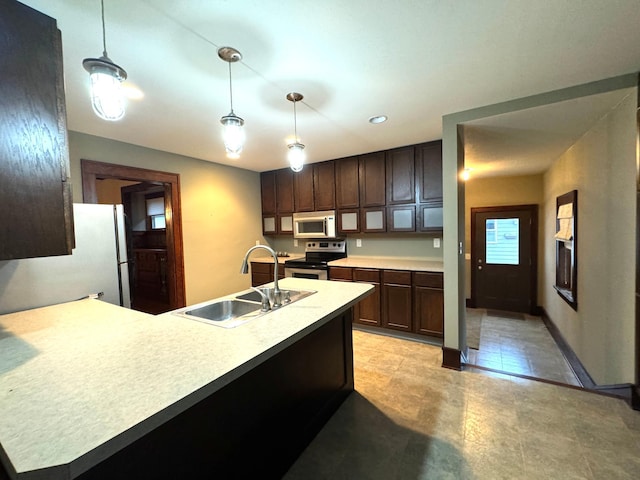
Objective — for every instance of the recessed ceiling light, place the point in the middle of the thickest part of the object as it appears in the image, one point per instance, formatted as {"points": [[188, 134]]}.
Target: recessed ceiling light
{"points": [[378, 119]]}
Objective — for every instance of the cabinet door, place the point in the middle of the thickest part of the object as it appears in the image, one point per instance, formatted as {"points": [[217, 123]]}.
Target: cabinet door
{"points": [[347, 184], [428, 313], [429, 172], [400, 176], [429, 218], [373, 220], [285, 224], [324, 186], [372, 179], [397, 300], [368, 310], [268, 192], [401, 218], [35, 198], [269, 224], [303, 190], [284, 190], [428, 303], [349, 221]]}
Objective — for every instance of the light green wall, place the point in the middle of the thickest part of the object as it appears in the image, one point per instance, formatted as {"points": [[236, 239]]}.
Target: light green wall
{"points": [[392, 245], [499, 191], [221, 213], [601, 166]]}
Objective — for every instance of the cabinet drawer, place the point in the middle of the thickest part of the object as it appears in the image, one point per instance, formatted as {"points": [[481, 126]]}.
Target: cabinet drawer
{"points": [[340, 273], [426, 279], [259, 267], [366, 275], [398, 277]]}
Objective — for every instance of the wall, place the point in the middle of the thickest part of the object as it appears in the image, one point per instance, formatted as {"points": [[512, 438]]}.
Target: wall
{"points": [[500, 191], [601, 166], [378, 245], [221, 213]]}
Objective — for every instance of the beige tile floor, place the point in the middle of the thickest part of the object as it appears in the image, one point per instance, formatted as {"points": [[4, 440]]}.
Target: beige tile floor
{"points": [[411, 419], [520, 347]]}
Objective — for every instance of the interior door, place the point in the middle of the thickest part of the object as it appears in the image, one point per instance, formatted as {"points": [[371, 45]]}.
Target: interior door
{"points": [[504, 258]]}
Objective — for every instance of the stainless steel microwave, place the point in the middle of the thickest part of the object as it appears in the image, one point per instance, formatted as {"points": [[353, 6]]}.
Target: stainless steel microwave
{"points": [[315, 224]]}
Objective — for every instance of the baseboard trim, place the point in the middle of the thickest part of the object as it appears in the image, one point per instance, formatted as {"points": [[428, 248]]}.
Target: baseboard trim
{"points": [[451, 358], [625, 391]]}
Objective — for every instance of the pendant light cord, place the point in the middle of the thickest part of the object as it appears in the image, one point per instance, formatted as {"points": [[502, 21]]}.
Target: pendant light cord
{"points": [[230, 88], [295, 121], [104, 33]]}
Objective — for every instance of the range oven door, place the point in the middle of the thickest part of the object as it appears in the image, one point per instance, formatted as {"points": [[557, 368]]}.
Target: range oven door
{"points": [[313, 273]]}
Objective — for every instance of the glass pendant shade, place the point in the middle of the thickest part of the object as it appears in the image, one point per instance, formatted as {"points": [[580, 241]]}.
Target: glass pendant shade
{"points": [[233, 134], [296, 156], [107, 97]]}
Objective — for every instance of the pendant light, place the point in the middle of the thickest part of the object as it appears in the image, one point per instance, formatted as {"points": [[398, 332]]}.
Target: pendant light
{"points": [[106, 77], [296, 155], [233, 131]]}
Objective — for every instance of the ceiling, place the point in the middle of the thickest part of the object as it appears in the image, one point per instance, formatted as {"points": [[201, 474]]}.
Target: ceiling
{"points": [[413, 60]]}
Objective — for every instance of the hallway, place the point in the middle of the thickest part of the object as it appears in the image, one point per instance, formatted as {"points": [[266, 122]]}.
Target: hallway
{"points": [[519, 344]]}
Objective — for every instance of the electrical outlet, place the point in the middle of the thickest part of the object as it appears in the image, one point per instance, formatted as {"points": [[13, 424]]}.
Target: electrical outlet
{"points": [[358, 242], [295, 242], [436, 243], [257, 242]]}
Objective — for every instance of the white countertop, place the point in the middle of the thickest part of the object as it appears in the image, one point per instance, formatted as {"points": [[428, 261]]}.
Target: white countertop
{"points": [[281, 260], [390, 263], [79, 381]]}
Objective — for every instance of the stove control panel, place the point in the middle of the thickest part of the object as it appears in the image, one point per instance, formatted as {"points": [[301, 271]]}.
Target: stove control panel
{"points": [[332, 246]]}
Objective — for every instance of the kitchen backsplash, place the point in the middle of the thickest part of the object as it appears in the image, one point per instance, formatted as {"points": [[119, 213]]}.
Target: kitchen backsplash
{"points": [[373, 245]]}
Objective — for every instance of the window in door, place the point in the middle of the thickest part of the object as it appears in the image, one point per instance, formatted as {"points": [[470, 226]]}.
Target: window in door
{"points": [[502, 243]]}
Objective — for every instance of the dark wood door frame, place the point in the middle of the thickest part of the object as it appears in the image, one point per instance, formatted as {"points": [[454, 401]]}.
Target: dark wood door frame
{"points": [[533, 211], [92, 171]]}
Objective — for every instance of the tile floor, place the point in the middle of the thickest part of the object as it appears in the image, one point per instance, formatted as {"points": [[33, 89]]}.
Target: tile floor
{"points": [[411, 419], [521, 347]]}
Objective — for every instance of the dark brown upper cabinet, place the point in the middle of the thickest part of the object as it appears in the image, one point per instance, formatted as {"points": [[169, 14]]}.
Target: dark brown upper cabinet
{"points": [[400, 177], [347, 184], [429, 172], [303, 188], [284, 191], [324, 186], [372, 180], [268, 192], [36, 198]]}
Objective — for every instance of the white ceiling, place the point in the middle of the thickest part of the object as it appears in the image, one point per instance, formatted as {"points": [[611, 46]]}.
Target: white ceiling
{"points": [[413, 60]]}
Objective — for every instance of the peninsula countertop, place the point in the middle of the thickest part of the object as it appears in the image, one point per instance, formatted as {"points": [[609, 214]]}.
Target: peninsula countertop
{"points": [[390, 263], [79, 381]]}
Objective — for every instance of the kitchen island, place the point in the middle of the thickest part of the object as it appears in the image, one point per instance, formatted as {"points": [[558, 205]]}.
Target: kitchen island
{"points": [[90, 390]]}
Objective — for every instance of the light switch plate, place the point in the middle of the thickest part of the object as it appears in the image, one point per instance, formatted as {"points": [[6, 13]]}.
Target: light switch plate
{"points": [[436, 243], [358, 242]]}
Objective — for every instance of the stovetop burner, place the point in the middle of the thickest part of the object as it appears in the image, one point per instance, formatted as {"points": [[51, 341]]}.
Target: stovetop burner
{"points": [[319, 252]]}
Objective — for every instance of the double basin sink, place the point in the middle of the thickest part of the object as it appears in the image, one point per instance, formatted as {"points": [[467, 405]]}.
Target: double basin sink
{"points": [[231, 312]]}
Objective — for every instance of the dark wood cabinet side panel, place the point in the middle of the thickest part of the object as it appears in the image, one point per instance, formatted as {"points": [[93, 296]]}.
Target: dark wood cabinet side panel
{"points": [[347, 183], [400, 176], [303, 190], [268, 191], [372, 179], [324, 185], [34, 197]]}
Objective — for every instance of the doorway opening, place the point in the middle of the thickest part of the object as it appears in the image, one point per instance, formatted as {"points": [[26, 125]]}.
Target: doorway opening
{"points": [[151, 202]]}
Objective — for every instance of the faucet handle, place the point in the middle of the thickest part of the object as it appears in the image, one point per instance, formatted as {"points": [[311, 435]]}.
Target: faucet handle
{"points": [[266, 305]]}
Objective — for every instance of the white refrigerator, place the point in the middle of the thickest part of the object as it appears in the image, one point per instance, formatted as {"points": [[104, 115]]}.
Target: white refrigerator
{"points": [[97, 265]]}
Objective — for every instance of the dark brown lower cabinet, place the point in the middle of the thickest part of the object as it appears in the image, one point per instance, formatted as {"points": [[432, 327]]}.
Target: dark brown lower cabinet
{"points": [[428, 304], [368, 310], [403, 300], [397, 301], [262, 273]]}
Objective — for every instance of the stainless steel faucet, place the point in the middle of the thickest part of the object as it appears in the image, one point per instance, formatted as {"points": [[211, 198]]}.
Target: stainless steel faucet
{"points": [[277, 300]]}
